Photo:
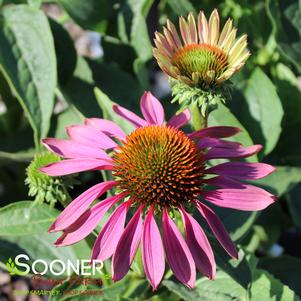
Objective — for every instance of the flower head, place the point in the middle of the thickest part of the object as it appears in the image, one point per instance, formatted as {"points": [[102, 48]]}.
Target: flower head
{"points": [[157, 169], [200, 56]]}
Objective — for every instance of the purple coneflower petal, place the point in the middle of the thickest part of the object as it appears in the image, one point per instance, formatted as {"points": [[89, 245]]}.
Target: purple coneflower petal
{"points": [[216, 132], [218, 229], [177, 121], [129, 116], [242, 170], [127, 246], [108, 238], [199, 246], [177, 252], [73, 149], [246, 197], [86, 223], [152, 250], [108, 127], [90, 136], [236, 152], [215, 142], [152, 109], [70, 166], [77, 207]]}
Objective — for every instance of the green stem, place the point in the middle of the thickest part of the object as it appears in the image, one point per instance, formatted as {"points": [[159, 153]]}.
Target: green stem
{"points": [[199, 121]]}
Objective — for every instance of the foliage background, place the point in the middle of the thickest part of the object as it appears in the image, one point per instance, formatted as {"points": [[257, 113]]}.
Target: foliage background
{"points": [[47, 82]]}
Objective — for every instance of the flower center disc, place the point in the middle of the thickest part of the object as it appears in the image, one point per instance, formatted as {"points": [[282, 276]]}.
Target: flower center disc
{"points": [[159, 165], [207, 60]]}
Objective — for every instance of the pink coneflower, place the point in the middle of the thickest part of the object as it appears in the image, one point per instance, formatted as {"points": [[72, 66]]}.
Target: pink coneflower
{"points": [[157, 169]]}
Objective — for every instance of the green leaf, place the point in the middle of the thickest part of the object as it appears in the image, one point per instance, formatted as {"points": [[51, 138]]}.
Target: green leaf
{"points": [[264, 121], [282, 180], [290, 95], [65, 52], [294, 205], [266, 287], [106, 106], [139, 32], [222, 288], [286, 269], [22, 218], [27, 59], [90, 14], [181, 7], [293, 14]]}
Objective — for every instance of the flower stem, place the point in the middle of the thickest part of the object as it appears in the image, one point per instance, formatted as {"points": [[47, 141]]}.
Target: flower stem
{"points": [[199, 121]]}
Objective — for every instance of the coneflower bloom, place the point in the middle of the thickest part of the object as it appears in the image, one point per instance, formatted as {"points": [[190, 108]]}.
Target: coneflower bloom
{"points": [[200, 55], [157, 170]]}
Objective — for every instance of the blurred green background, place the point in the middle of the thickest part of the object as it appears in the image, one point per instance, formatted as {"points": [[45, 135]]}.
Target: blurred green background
{"points": [[52, 56]]}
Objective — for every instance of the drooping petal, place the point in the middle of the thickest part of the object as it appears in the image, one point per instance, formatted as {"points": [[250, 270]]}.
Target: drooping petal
{"points": [[129, 116], [107, 240], [243, 197], [199, 246], [180, 120], [236, 152], [73, 149], [108, 127], [216, 132], [242, 170], [127, 246], [90, 136], [87, 221], [152, 109], [216, 142], [77, 207], [218, 229], [70, 166], [177, 252], [152, 250]]}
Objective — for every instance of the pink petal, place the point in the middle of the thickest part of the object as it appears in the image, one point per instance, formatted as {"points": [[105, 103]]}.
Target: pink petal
{"points": [[77, 207], [199, 246], [216, 132], [73, 149], [245, 197], [237, 152], [177, 252], [242, 170], [90, 136], [86, 223], [107, 240], [152, 109], [152, 250], [69, 166], [129, 116], [177, 121], [108, 127], [127, 246], [218, 229], [215, 142]]}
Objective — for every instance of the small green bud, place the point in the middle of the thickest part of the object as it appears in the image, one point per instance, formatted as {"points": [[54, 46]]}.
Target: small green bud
{"points": [[41, 186]]}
